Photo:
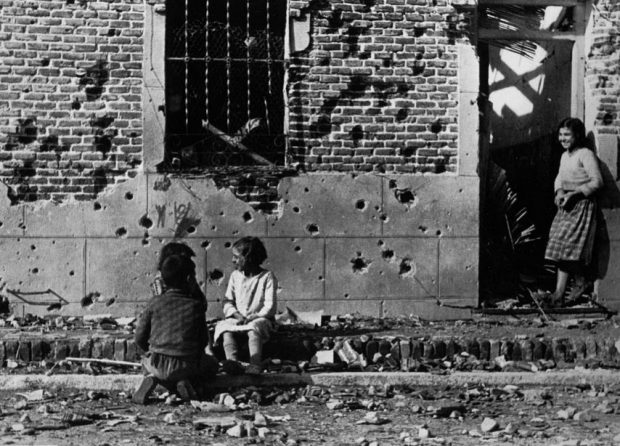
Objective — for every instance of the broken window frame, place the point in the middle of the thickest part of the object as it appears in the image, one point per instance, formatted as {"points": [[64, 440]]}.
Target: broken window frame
{"points": [[206, 145], [577, 36]]}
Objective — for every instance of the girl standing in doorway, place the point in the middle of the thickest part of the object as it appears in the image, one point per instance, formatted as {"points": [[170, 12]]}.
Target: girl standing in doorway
{"points": [[571, 237]]}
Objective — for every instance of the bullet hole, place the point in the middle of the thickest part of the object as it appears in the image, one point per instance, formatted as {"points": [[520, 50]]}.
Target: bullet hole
{"points": [[89, 299], [296, 209], [356, 134], [247, 217], [128, 196], [392, 184], [45, 62], [297, 248], [101, 122], [380, 243], [386, 62], [55, 306], [221, 213], [110, 301], [145, 222], [205, 244], [438, 233], [419, 31], [387, 254], [422, 229], [111, 32], [35, 270], [436, 126], [76, 105], [213, 228], [215, 276], [324, 61], [608, 119], [227, 245], [406, 267], [404, 196], [1, 224], [368, 4], [121, 232], [33, 247], [402, 114], [383, 218], [335, 19], [27, 130], [145, 242], [360, 264], [360, 205], [93, 79], [320, 277], [312, 229], [191, 229], [418, 68]]}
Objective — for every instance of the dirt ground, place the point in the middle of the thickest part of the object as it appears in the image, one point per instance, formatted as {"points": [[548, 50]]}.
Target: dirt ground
{"points": [[317, 415]]}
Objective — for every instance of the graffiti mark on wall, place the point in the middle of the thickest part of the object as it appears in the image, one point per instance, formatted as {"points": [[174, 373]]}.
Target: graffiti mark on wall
{"points": [[161, 215]]}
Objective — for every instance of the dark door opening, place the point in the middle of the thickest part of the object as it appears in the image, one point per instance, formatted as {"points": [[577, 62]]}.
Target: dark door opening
{"points": [[527, 89]]}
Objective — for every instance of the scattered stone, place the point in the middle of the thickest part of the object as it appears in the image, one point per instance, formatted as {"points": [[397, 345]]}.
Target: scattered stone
{"points": [[170, 418], [510, 429], [21, 405], [585, 416], [205, 406], [566, 414], [324, 357], [237, 431], [372, 418], [424, 433], [35, 395], [223, 422], [259, 420], [263, 432], [489, 425], [335, 404]]}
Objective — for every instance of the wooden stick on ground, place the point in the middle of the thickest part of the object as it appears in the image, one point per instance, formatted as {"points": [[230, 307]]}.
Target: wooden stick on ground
{"points": [[104, 362]]}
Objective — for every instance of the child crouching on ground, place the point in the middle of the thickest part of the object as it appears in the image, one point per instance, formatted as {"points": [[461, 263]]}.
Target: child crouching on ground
{"points": [[250, 304], [173, 332]]}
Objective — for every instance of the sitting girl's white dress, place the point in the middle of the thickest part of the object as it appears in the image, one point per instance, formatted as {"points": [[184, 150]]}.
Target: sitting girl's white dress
{"points": [[254, 295]]}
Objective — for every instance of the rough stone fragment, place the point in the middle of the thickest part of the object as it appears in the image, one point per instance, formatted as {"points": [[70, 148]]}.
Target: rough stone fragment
{"points": [[489, 425], [237, 431], [325, 357], [485, 350], [334, 404], [585, 416], [566, 414], [424, 433], [119, 349], [23, 351]]}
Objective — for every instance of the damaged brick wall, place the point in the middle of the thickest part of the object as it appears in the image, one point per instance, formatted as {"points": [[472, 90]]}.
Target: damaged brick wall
{"points": [[70, 96], [377, 87], [603, 65]]}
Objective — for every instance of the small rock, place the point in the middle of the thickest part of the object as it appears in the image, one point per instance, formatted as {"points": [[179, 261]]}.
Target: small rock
{"points": [[416, 409], [20, 405], [604, 407], [260, 420], [17, 427], [291, 442], [585, 416], [566, 414], [474, 433], [334, 404], [25, 418], [361, 441], [237, 431], [262, 432], [510, 429], [170, 418], [489, 425], [424, 433]]}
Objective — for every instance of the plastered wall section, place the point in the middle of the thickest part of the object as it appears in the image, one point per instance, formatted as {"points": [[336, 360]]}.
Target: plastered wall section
{"points": [[372, 244]]}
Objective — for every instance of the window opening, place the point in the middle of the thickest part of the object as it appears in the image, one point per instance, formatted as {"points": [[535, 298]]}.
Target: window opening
{"points": [[225, 69]]}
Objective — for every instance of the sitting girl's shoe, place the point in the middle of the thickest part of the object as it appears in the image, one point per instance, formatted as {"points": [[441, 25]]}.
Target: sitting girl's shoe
{"points": [[253, 369]]}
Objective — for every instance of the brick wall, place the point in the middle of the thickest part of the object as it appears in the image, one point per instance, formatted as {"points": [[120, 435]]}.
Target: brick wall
{"points": [[377, 88], [70, 96], [603, 65]]}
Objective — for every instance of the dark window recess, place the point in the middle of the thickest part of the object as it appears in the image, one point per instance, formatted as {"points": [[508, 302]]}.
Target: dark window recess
{"points": [[224, 83]]}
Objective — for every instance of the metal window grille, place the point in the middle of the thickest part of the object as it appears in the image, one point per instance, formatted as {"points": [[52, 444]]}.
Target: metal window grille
{"points": [[225, 71]]}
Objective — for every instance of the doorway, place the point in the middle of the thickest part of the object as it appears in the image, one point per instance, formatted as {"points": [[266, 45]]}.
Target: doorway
{"points": [[531, 57]]}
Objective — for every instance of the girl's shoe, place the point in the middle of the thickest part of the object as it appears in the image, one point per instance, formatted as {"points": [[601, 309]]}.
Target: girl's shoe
{"points": [[253, 369], [146, 387], [186, 390]]}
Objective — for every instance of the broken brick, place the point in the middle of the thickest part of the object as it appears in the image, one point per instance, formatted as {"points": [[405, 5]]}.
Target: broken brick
{"points": [[119, 349], [131, 351], [485, 350], [23, 351], [527, 351]]}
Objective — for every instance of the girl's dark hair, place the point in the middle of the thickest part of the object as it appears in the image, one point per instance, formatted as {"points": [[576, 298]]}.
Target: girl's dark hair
{"points": [[252, 249], [175, 270], [576, 126], [174, 249]]}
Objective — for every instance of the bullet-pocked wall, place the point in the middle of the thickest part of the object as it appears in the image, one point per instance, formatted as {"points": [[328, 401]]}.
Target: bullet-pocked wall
{"points": [[602, 117], [381, 217]]}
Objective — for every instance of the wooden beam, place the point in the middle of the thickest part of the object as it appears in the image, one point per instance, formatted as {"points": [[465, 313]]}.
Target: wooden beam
{"points": [[523, 34], [566, 3]]}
